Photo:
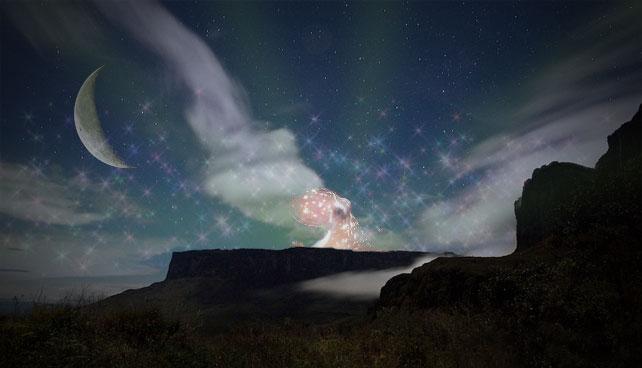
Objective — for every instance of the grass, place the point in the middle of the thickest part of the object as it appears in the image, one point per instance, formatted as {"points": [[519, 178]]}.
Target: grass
{"points": [[394, 339], [69, 336]]}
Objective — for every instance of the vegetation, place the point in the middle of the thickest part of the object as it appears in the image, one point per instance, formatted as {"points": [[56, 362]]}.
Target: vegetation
{"points": [[544, 321], [67, 335]]}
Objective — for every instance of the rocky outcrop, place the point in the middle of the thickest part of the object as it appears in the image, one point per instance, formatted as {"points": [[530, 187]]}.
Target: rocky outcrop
{"points": [[574, 223], [624, 144], [442, 282], [551, 187], [556, 186]]}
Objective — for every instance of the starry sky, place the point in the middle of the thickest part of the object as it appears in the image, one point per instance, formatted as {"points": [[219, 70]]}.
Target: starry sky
{"points": [[427, 116]]}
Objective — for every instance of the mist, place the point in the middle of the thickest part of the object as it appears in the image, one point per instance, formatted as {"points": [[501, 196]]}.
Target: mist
{"points": [[364, 285]]}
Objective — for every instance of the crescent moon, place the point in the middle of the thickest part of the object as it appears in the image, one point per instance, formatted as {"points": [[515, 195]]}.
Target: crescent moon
{"points": [[88, 125]]}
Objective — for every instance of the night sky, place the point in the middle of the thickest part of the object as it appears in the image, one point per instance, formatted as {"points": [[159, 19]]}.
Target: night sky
{"points": [[428, 117]]}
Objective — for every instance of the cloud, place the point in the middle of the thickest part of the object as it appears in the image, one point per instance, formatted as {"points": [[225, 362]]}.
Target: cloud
{"points": [[384, 239], [60, 252], [358, 285], [564, 114], [260, 176], [62, 261], [34, 194], [28, 194], [251, 169]]}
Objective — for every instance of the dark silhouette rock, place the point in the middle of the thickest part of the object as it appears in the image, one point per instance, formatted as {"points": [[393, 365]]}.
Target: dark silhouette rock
{"points": [[566, 212], [442, 282], [624, 144], [550, 188], [549, 200], [571, 293]]}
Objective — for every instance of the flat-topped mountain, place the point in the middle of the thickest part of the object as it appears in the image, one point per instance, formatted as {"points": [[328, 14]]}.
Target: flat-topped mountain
{"points": [[215, 288], [266, 268]]}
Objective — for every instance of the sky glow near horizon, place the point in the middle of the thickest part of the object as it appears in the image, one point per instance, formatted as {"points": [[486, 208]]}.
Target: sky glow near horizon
{"points": [[428, 127]]}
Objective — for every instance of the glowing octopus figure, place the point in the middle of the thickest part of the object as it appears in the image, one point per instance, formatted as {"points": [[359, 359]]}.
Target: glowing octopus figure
{"points": [[324, 208]]}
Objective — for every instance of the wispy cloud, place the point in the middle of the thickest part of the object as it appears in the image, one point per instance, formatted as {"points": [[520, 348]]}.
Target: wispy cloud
{"points": [[563, 114], [35, 194], [254, 170], [61, 252], [28, 194]]}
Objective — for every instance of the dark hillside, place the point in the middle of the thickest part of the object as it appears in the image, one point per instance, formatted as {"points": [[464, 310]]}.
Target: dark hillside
{"points": [[571, 293]]}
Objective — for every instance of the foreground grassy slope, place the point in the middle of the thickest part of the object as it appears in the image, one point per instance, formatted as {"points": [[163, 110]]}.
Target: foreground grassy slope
{"points": [[71, 337], [67, 336]]}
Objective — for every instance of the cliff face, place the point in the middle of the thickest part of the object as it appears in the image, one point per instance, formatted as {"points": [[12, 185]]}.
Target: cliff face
{"points": [[567, 212], [551, 187], [571, 293], [624, 144], [550, 195], [263, 268]]}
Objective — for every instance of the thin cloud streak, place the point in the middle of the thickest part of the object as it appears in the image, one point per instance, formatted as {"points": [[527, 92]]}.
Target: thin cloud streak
{"points": [[570, 109], [31, 194]]}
